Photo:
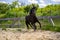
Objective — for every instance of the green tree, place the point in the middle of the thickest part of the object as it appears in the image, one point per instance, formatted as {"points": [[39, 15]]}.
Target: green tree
{"points": [[14, 4], [28, 7], [3, 8]]}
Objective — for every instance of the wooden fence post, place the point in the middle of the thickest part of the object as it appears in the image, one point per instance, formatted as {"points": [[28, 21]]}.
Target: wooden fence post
{"points": [[51, 21]]}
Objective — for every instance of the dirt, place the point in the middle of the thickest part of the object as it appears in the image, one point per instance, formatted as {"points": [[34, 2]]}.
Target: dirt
{"points": [[29, 35]]}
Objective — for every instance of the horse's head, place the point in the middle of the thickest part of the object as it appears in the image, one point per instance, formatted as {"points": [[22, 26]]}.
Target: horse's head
{"points": [[34, 7]]}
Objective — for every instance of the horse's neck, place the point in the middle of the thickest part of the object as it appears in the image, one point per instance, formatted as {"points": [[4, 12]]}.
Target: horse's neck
{"points": [[33, 10], [32, 14]]}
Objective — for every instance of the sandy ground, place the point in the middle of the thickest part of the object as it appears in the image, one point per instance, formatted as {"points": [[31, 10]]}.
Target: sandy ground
{"points": [[29, 35]]}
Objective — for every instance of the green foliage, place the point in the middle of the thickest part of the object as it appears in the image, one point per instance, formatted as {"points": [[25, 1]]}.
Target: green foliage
{"points": [[28, 7], [10, 10], [3, 8], [52, 10], [14, 4]]}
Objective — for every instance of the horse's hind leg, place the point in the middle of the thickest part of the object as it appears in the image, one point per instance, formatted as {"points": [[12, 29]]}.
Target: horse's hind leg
{"points": [[39, 23]]}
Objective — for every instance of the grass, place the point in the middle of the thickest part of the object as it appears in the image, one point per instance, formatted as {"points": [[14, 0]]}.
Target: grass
{"points": [[45, 25], [51, 28], [4, 28], [57, 22], [19, 30]]}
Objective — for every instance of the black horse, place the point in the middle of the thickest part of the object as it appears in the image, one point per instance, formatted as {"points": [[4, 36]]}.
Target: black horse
{"points": [[31, 19]]}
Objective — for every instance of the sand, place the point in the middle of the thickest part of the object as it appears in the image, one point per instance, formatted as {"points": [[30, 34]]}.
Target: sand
{"points": [[29, 35]]}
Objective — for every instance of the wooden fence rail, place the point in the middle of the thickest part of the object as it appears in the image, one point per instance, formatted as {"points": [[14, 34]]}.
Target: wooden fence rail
{"points": [[23, 18]]}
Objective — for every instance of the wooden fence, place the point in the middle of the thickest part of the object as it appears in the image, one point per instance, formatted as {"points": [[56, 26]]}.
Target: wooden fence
{"points": [[23, 18]]}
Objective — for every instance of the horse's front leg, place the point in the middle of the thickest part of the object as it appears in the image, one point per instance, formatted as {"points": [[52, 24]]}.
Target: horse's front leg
{"points": [[27, 25], [34, 26]]}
